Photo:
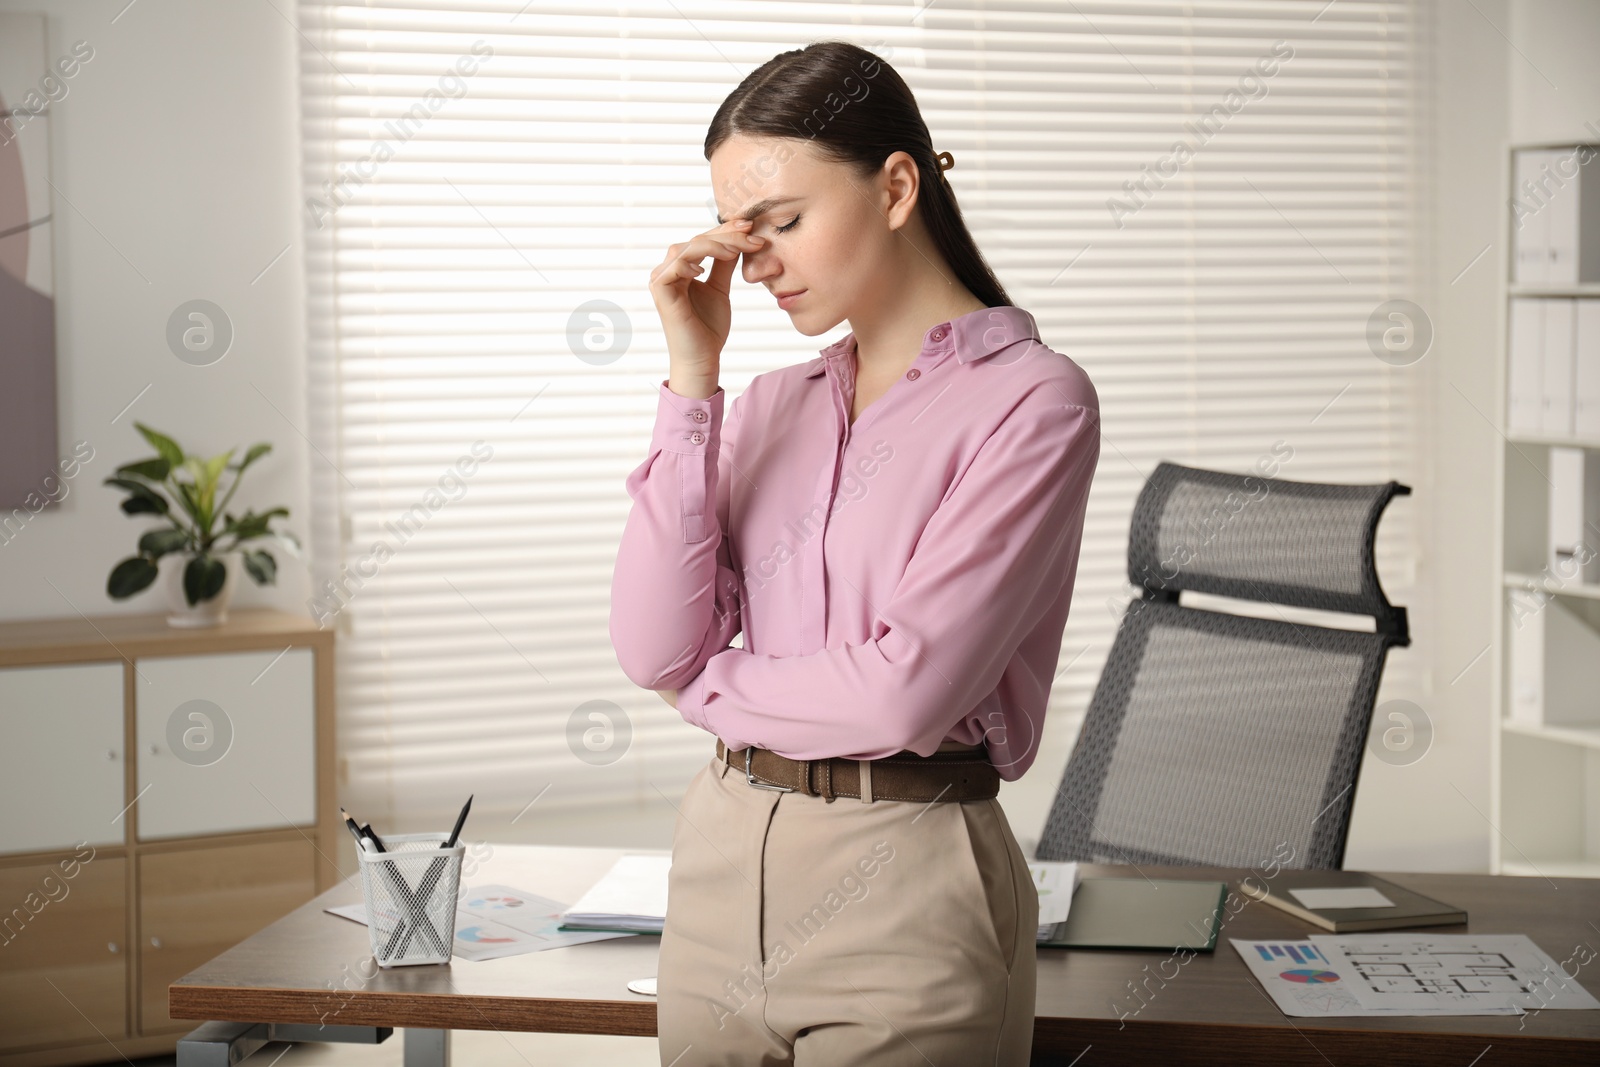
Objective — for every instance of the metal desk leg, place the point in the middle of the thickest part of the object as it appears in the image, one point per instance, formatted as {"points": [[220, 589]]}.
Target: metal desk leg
{"points": [[225, 1044], [427, 1048], [220, 1044]]}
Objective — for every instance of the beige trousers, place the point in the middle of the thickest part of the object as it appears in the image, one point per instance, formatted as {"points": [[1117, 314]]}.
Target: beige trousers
{"points": [[844, 933]]}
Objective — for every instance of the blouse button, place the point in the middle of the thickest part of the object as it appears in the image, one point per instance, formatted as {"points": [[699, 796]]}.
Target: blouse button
{"points": [[698, 416], [938, 335], [697, 438], [913, 374]]}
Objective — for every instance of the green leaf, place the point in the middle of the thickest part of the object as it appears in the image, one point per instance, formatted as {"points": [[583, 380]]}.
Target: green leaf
{"points": [[214, 467], [158, 543], [141, 499], [138, 505], [203, 579], [127, 483], [153, 469], [290, 543], [255, 453], [130, 576], [262, 567], [190, 504], [252, 525], [166, 446], [210, 473]]}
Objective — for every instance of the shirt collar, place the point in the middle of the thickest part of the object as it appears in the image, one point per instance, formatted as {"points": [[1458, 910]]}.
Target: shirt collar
{"points": [[973, 336]]}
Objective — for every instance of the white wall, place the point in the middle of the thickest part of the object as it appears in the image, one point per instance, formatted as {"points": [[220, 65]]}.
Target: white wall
{"points": [[176, 155]]}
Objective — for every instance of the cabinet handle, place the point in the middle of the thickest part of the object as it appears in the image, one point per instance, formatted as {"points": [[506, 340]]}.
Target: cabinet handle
{"points": [[155, 942], [111, 753], [111, 946], [155, 750]]}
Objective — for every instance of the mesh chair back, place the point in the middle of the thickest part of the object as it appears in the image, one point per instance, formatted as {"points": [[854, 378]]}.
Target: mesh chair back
{"points": [[1215, 739]]}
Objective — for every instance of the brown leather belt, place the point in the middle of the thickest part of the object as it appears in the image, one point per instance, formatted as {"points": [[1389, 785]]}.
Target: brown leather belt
{"points": [[961, 774]]}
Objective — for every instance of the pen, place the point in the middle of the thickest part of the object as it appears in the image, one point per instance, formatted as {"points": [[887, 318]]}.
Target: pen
{"points": [[437, 868], [372, 835], [460, 821]]}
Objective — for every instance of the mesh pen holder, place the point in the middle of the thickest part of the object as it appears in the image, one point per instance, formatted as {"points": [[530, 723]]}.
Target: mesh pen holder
{"points": [[410, 893]]}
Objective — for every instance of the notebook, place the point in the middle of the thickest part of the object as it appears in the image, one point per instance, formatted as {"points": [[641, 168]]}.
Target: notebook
{"points": [[1348, 902], [1156, 913], [1056, 882], [631, 897]]}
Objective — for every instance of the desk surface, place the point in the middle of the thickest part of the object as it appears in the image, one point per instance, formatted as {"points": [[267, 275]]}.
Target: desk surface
{"points": [[311, 967]]}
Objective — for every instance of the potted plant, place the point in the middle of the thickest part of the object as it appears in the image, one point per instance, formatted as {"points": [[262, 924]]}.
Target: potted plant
{"points": [[199, 589]]}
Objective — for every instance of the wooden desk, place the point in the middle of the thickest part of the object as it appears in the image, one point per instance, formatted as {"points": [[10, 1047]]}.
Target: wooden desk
{"points": [[311, 967]]}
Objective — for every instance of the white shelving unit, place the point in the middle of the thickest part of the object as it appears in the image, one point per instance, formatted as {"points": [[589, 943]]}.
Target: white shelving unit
{"points": [[1545, 785]]}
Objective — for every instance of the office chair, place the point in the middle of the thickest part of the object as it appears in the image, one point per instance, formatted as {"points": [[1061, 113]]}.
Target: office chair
{"points": [[1214, 739]]}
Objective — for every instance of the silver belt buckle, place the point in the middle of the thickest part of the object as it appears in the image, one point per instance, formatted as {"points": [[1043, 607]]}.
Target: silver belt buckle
{"points": [[751, 778]]}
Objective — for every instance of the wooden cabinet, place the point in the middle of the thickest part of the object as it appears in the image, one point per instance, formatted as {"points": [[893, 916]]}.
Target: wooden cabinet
{"points": [[61, 766], [226, 742], [194, 904], [63, 951], [190, 776]]}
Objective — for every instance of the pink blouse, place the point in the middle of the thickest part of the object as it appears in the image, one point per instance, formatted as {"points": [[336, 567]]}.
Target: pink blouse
{"points": [[900, 581]]}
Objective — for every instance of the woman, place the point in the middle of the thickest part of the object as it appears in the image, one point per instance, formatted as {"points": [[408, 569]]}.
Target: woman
{"points": [[894, 528]]}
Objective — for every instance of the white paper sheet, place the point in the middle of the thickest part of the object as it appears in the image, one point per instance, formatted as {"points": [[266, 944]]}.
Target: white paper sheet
{"points": [[1414, 970], [1352, 896], [1303, 982], [1055, 882], [497, 920]]}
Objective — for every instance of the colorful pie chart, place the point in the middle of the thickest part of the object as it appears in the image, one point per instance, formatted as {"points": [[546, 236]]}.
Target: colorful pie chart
{"points": [[1311, 977]]}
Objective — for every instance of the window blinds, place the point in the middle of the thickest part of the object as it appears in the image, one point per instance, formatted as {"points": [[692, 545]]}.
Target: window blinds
{"points": [[1203, 203]]}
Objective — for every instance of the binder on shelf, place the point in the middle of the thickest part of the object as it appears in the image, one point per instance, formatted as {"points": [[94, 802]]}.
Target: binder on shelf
{"points": [[1543, 375], [1574, 516], [1586, 369], [1564, 206], [1557, 216], [1526, 357], [1555, 656], [1555, 387], [1531, 255]]}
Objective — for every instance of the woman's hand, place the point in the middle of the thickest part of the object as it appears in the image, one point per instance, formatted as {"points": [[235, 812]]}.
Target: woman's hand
{"points": [[669, 695], [695, 314]]}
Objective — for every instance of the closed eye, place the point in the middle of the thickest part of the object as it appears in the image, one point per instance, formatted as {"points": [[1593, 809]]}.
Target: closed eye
{"points": [[786, 227]]}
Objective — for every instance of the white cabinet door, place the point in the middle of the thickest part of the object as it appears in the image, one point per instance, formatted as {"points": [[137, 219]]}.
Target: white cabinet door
{"points": [[227, 742], [61, 757]]}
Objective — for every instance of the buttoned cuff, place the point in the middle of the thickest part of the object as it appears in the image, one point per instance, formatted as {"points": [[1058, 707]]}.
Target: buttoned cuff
{"points": [[686, 425]]}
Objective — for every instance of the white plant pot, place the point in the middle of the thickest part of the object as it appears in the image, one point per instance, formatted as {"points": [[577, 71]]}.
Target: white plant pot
{"points": [[213, 612]]}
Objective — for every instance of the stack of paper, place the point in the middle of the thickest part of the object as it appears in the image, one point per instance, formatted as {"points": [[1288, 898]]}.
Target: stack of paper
{"points": [[1055, 883], [631, 897], [1411, 974]]}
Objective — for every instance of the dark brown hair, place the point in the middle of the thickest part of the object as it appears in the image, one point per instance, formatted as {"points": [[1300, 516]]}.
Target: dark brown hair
{"points": [[858, 111]]}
